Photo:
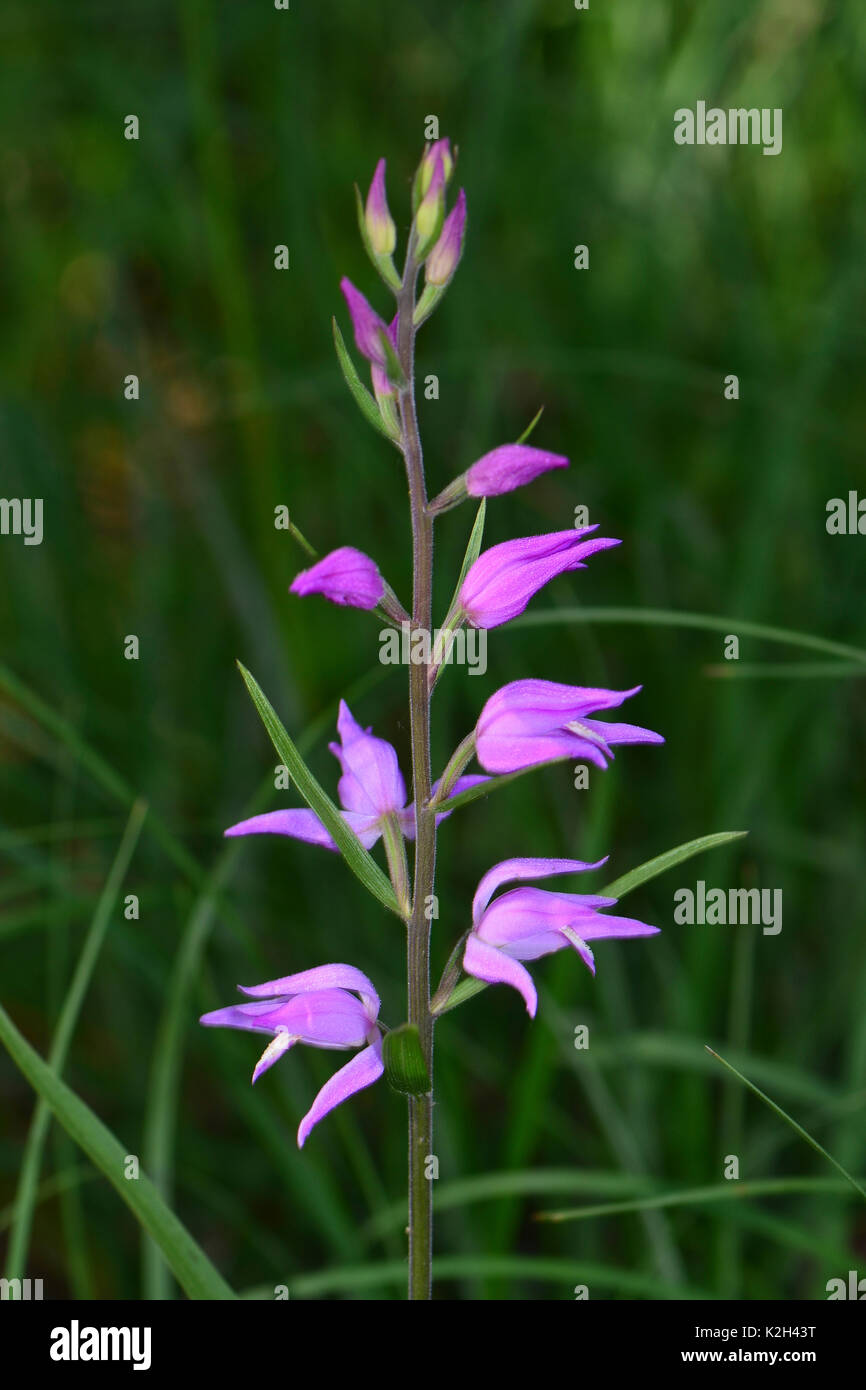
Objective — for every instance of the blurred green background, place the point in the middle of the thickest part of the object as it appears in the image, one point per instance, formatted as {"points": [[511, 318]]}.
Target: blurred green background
{"points": [[156, 257]]}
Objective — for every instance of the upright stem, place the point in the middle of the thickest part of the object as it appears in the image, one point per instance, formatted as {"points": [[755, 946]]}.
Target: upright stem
{"points": [[418, 946]]}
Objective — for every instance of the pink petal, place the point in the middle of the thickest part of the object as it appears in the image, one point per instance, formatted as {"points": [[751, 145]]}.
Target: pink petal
{"points": [[372, 784], [320, 977], [495, 967], [306, 826], [510, 870], [361, 1071]]}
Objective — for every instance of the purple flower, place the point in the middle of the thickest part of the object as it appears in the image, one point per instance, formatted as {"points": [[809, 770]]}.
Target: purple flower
{"points": [[526, 923], [379, 222], [503, 580], [508, 467], [345, 576], [445, 256], [531, 721], [370, 789], [366, 323], [318, 1007]]}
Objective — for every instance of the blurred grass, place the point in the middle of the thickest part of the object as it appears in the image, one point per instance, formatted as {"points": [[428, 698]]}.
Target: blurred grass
{"points": [[156, 258]]}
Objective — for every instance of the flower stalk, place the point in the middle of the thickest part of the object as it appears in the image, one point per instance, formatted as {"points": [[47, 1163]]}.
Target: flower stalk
{"points": [[420, 1223]]}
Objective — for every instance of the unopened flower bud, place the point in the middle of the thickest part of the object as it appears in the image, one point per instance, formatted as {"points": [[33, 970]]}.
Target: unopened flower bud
{"points": [[428, 219], [379, 222], [437, 153], [345, 576], [445, 256]]}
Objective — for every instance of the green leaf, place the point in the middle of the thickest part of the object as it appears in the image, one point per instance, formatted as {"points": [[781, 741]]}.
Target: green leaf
{"points": [[405, 1068], [467, 989], [662, 862], [393, 367], [28, 1179], [191, 1266], [362, 864], [473, 549], [363, 399], [789, 1120]]}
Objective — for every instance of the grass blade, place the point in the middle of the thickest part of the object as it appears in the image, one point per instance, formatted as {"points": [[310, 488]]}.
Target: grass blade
{"points": [[28, 1180], [798, 1129], [698, 1196], [192, 1268]]}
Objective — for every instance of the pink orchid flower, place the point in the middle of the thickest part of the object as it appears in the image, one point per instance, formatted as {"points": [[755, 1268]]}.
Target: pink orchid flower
{"points": [[526, 923], [370, 790], [332, 1006]]}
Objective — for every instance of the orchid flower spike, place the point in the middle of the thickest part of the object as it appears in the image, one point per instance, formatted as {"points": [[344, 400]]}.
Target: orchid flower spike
{"points": [[503, 579], [332, 1006], [529, 722], [526, 923], [371, 790], [345, 576]]}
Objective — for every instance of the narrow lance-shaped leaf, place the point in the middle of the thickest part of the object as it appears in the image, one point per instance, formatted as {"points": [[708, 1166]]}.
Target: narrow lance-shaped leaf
{"points": [[473, 549], [362, 864], [363, 399], [662, 862], [190, 1265]]}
